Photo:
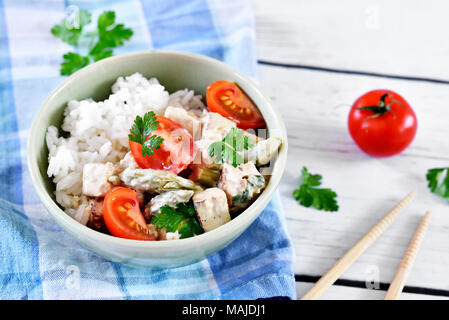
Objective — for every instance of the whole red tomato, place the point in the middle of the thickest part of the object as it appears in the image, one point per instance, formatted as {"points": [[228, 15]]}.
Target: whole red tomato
{"points": [[382, 123]]}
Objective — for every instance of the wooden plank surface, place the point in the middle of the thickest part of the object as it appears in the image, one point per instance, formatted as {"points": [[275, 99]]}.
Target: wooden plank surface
{"points": [[399, 37], [315, 104], [349, 293]]}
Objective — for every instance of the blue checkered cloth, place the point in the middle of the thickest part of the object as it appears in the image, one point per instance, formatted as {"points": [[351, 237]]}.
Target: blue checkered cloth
{"points": [[38, 260]]}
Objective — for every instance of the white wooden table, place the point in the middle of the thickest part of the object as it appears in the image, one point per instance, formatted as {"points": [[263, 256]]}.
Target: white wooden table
{"points": [[315, 59]]}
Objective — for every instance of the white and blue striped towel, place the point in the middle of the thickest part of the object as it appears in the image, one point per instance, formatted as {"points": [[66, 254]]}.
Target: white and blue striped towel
{"points": [[38, 259]]}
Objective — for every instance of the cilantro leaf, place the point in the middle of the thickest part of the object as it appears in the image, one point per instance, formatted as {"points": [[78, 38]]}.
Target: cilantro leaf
{"points": [[70, 36], [237, 140], [103, 39], [181, 219], [141, 129], [313, 180], [438, 181], [308, 195], [115, 36], [168, 218], [73, 62], [227, 150], [188, 210], [152, 143], [70, 31], [109, 36], [101, 54], [190, 228], [106, 19]]}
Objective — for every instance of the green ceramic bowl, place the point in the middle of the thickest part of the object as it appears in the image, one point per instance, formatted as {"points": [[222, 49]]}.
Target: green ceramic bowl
{"points": [[175, 70]]}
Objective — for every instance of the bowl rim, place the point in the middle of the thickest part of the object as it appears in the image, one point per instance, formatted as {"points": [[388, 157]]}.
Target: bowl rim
{"points": [[245, 218]]}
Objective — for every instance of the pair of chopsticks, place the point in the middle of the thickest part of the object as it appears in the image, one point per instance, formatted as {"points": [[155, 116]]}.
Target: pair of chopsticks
{"points": [[346, 261]]}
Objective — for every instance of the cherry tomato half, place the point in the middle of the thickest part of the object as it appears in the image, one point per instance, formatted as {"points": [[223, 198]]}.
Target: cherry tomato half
{"points": [[382, 123], [176, 152], [227, 99], [123, 217]]}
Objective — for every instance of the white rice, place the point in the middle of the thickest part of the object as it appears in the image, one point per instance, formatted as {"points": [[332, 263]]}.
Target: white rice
{"points": [[188, 100], [98, 132]]}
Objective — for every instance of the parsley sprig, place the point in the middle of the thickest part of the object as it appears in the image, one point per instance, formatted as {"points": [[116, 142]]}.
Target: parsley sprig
{"points": [[438, 181], [181, 219], [141, 129], [309, 195], [227, 150], [102, 40]]}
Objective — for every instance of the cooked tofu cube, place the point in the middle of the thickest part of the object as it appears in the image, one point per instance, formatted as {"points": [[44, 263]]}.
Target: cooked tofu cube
{"points": [[252, 137], [240, 184], [172, 235], [203, 157], [231, 182], [215, 126], [128, 161], [248, 169], [95, 179], [186, 119], [212, 208], [264, 151], [164, 235], [170, 198]]}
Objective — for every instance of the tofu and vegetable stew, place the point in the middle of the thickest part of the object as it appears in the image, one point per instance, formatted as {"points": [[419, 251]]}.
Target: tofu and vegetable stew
{"points": [[148, 165]]}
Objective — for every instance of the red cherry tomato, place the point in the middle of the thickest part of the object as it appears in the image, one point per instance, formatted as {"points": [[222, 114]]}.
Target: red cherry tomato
{"points": [[382, 123], [227, 99], [176, 152], [122, 215]]}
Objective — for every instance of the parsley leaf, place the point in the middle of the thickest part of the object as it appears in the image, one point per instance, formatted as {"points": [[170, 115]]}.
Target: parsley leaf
{"points": [[102, 40], [71, 32], [101, 54], [73, 62], [106, 19], [438, 181], [141, 129], [188, 210], [181, 219], [227, 150], [168, 218], [308, 195], [109, 36]]}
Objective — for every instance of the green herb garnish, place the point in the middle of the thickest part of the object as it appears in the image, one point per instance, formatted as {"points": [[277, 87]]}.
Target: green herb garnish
{"points": [[141, 129], [181, 219], [227, 150], [73, 62], [309, 195], [186, 208], [69, 33], [256, 181], [101, 41], [241, 198], [438, 181]]}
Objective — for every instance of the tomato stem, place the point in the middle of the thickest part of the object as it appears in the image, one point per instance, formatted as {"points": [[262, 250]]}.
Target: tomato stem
{"points": [[382, 107]]}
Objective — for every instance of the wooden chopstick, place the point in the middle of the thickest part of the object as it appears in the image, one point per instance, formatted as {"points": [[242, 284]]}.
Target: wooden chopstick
{"points": [[332, 275], [405, 267]]}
